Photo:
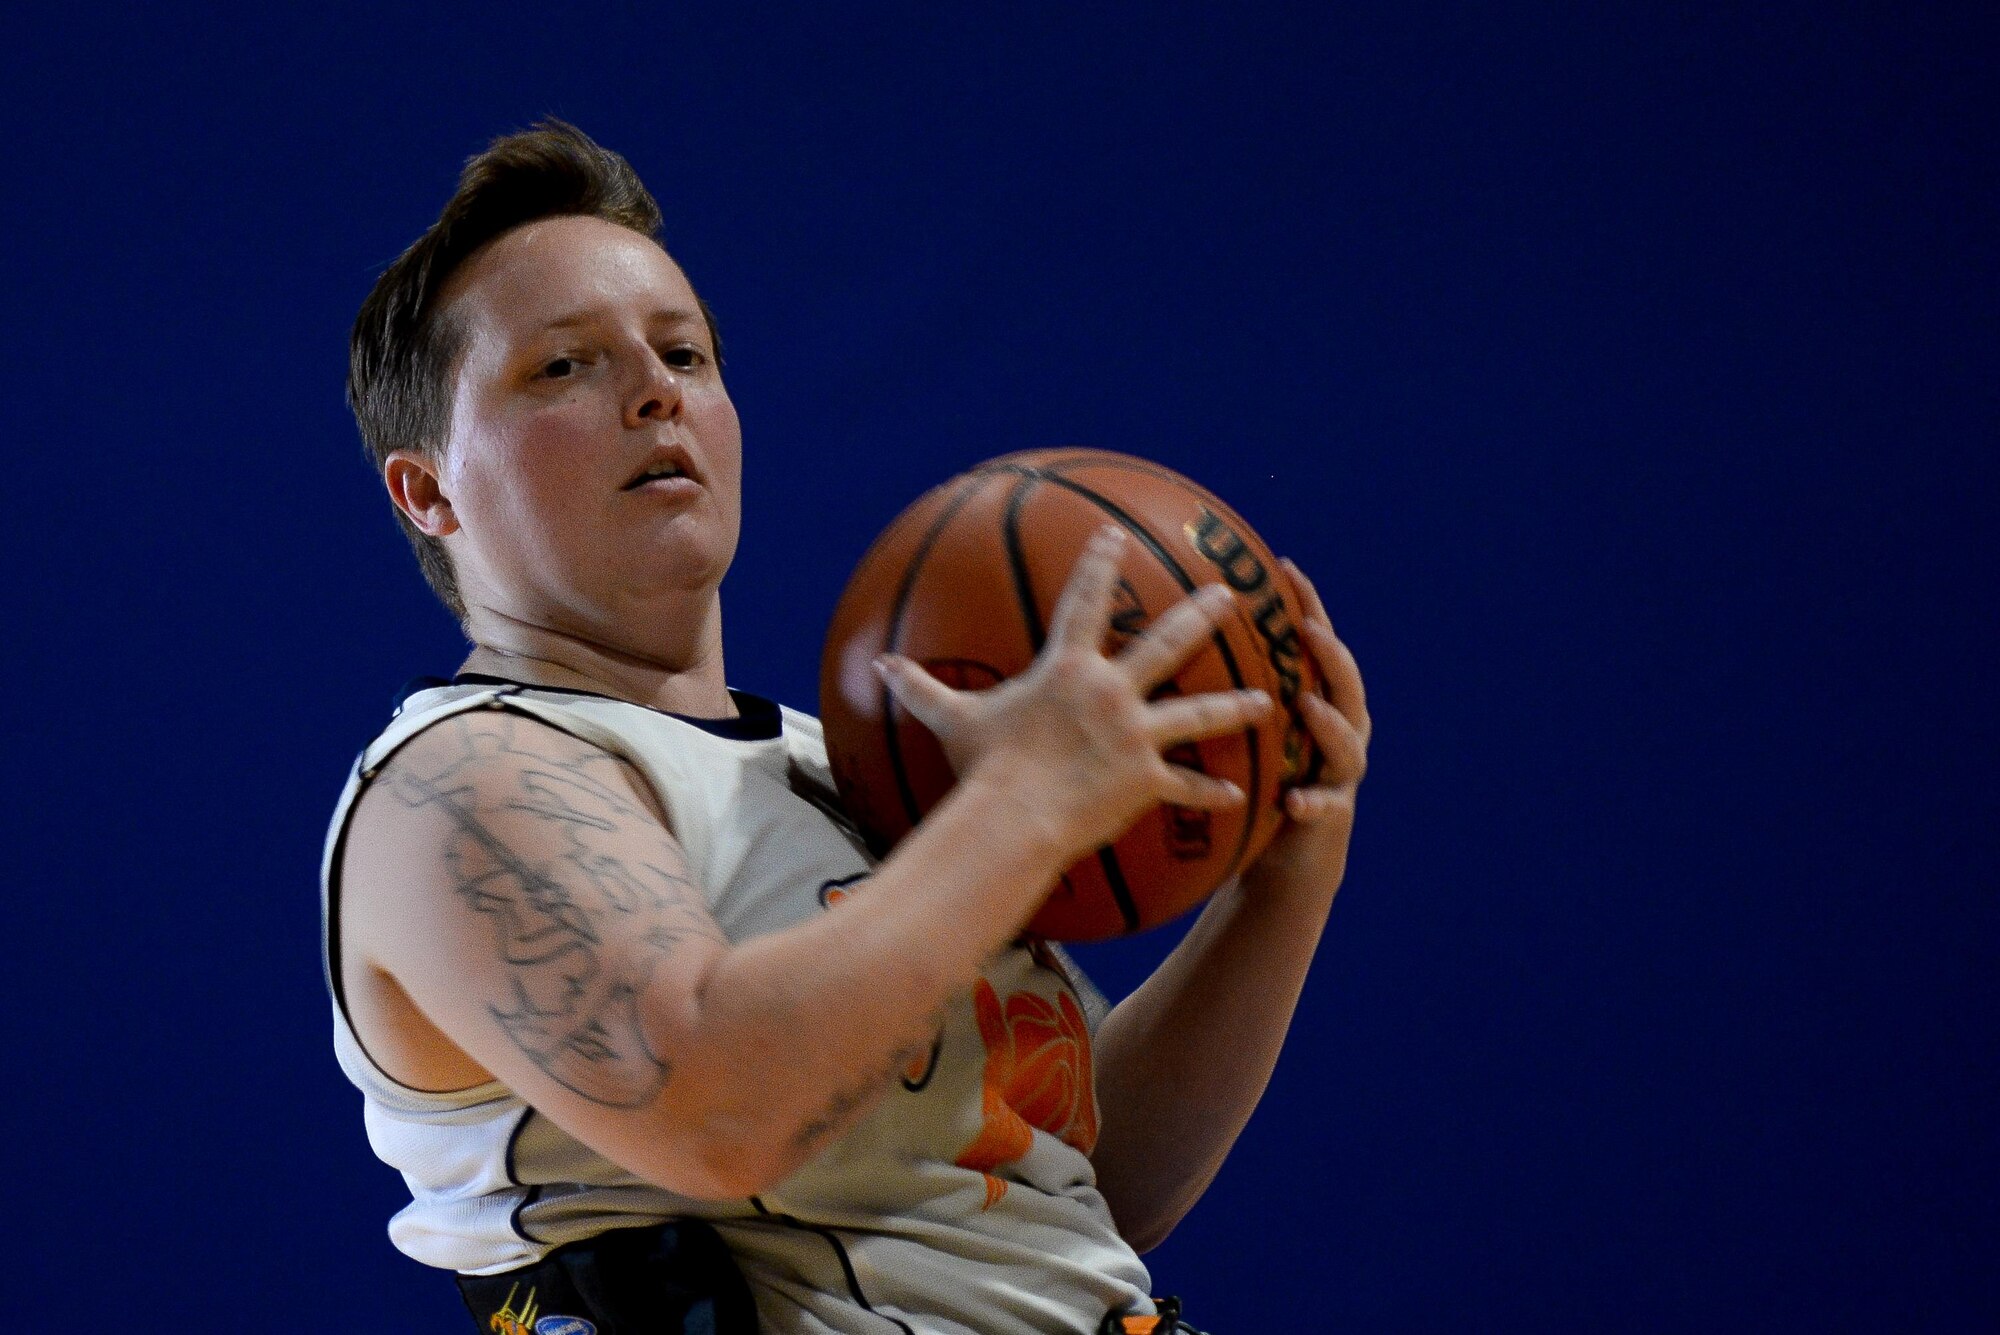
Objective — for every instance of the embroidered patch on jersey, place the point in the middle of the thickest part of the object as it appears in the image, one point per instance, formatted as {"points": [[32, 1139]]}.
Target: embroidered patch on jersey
{"points": [[509, 1321], [565, 1325], [1037, 1076]]}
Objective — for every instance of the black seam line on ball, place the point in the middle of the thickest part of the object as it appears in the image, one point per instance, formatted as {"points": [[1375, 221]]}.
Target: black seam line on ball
{"points": [[1121, 893], [1125, 463], [1017, 562], [903, 591], [1187, 486], [1024, 594], [1220, 641]]}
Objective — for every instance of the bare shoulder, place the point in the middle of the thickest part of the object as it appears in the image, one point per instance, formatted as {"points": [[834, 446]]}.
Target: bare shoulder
{"points": [[515, 891]]}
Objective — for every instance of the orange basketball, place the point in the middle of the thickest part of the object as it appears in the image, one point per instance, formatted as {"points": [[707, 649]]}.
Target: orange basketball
{"points": [[964, 581]]}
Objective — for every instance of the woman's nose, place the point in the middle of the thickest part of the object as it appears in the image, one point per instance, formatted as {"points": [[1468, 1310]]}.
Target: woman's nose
{"points": [[657, 397]]}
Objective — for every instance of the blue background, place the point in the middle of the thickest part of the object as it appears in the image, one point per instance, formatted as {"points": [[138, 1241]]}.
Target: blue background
{"points": [[1626, 378]]}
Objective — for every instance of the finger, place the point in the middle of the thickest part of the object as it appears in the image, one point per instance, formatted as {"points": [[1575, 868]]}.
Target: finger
{"points": [[1190, 718], [1308, 806], [1339, 741], [1336, 664], [1183, 787], [1083, 610], [1168, 642], [1315, 609], [924, 697], [1341, 673]]}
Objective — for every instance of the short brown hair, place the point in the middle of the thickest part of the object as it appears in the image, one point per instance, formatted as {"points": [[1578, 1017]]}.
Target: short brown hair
{"points": [[401, 356]]}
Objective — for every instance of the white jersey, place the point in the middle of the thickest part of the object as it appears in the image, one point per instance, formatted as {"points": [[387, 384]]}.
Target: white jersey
{"points": [[964, 1203]]}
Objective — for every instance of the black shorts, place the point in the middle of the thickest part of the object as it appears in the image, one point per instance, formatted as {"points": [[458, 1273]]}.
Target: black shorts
{"points": [[676, 1278]]}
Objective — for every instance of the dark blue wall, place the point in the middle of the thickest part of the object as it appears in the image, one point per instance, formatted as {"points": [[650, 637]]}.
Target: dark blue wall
{"points": [[1627, 383]]}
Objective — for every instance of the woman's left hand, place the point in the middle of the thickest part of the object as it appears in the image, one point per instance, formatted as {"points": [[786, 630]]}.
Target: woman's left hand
{"points": [[1309, 853]]}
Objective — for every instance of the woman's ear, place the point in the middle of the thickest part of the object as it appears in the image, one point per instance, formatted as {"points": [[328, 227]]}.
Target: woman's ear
{"points": [[414, 487]]}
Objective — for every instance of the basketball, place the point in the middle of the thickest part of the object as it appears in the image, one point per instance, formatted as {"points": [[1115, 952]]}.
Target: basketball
{"points": [[963, 582]]}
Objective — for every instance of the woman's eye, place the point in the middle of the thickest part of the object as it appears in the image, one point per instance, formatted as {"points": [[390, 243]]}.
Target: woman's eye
{"points": [[683, 358], [559, 368]]}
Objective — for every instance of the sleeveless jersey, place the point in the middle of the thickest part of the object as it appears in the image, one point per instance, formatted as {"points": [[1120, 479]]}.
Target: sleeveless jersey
{"points": [[963, 1204]]}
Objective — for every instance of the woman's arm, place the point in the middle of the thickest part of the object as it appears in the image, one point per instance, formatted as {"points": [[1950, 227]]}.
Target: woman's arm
{"points": [[1183, 1061], [522, 889]]}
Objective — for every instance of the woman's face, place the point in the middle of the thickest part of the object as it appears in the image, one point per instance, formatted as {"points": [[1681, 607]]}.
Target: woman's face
{"points": [[586, 365]]}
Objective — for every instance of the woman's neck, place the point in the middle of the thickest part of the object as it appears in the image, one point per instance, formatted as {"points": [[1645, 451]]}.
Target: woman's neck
{"points": [[689, 682]]}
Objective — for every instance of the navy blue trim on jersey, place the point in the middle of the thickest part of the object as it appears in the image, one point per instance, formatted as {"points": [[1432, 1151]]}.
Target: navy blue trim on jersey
{"points": [[411, 687], [757, 720], [533, 1192], [840, 1252]]}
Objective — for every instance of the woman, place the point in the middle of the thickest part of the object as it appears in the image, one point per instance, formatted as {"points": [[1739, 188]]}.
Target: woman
{"points": [[603, 952]]}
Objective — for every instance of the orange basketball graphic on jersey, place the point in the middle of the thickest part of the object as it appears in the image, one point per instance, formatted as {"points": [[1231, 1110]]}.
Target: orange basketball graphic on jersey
{"points": [[1037, 1077]]}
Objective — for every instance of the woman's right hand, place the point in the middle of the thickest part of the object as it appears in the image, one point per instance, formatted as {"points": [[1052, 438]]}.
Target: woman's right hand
{"points": [[1073, 740]]}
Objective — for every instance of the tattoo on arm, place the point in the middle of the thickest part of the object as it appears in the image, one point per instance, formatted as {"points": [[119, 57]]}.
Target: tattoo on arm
{"points": [[571, 1007], [840, 1109]]}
